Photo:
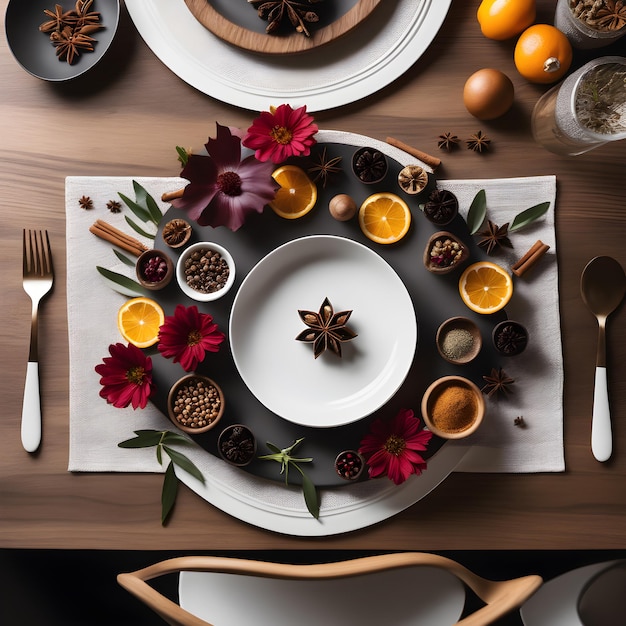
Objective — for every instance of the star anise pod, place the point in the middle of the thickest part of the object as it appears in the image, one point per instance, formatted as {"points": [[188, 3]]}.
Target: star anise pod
{"points": [[612, 16], [326, 330], [69, 43], [497, 382], [447, 141], [84, 15], [59, 19], [494, 236], [85, 202], [324, 168], [278, 12], [478, 142], [114, 206]]}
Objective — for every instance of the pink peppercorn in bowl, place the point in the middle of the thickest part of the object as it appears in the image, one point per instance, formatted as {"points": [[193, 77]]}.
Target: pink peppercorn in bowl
{"points": [[195, 404], [154, 269], [453, 407], [205, 271]]}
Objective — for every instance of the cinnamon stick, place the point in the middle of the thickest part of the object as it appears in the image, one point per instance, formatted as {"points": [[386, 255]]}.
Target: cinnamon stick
{"points": [[430, 160], [168, 196], [109, 233], [537, 250]]}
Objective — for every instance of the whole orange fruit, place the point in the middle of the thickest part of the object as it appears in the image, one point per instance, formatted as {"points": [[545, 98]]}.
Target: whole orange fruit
{"points": [[503, 19], [543, 54]]}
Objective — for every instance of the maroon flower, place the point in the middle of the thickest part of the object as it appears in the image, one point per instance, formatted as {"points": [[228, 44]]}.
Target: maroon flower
{"points": [[391, 447], [187, 335], [126, 376], [281, 133], [222, 188]]}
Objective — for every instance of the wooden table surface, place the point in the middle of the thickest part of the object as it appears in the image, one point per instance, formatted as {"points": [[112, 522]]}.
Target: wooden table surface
{"points": [[125, 119]]}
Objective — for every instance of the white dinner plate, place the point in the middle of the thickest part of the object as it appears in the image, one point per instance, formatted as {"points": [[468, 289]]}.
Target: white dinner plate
{"points": [[362, 62], [411, 595], [556, 603], [283, 373]]}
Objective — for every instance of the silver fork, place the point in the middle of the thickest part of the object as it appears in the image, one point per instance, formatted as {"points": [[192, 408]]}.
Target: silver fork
{"points": [[38, 276]]}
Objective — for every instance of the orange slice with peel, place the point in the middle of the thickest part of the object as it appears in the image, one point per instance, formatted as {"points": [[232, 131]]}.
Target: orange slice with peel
{"points": [[384, 217], [139, 320], [485, 287], [297, 193]]}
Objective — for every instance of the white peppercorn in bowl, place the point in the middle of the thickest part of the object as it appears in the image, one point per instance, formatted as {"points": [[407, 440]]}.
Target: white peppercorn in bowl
{"points": [[205, 271], [195, 403]]}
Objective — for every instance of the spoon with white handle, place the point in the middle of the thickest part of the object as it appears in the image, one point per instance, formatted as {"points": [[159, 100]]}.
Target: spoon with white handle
{"points": [[602, 286]]}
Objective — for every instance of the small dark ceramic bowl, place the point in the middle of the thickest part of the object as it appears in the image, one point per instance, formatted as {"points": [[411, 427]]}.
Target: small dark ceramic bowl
{"points": [[349, 465], [237, 445], [510, 338], [465, 325], [178, 386], [434, 394], [146, 258], [33, 50], [369, 165]]}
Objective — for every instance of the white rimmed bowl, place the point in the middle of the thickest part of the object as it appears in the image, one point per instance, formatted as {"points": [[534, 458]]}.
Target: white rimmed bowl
{"points": [[200, 296]]}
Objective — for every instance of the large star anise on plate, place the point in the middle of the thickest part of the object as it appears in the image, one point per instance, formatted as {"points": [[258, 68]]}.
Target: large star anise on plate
{"points": [[326, 330]]}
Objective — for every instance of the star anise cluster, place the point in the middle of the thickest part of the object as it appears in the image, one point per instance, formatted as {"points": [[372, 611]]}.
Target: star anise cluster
{"points": [[605, 15], [283, 12], [70, 31], [326, 330]]}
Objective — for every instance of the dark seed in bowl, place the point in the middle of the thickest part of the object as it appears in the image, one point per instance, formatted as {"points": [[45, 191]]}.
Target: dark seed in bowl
{"points": [[206, 271]]}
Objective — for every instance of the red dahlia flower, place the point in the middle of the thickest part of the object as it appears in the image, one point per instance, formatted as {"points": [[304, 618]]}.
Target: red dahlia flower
{"points": [[188, 335], [281, 133], [222, 188], [126, 377], [391, 448]]}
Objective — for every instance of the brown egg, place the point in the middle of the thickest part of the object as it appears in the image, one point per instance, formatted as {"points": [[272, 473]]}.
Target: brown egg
{"points": [[488, 94]]}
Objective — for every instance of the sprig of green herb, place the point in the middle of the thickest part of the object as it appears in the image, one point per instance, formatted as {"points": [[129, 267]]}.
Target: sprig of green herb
{"points": [[144, 207], [183, 155], [283, 456], [163, 439], [120, 283]]}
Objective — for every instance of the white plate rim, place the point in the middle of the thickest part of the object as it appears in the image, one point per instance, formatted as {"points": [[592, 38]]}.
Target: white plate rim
{"points": [[187, 57], [324, 415]]}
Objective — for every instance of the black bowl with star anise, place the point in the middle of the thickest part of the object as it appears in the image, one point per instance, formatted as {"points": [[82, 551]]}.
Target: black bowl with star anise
{"points": [[510, 338], [237, 445], [60, 41]]}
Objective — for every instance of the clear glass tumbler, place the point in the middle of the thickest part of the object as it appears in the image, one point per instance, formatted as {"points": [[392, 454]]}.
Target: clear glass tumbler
{"points": [[581, 34], [585, 111]]}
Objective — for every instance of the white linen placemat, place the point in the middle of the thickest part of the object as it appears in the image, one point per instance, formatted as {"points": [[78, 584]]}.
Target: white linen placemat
{"points": [[96, 427]]}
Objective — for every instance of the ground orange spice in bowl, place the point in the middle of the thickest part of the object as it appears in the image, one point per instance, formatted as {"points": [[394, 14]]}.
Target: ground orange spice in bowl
{"points": [[454, 409]]}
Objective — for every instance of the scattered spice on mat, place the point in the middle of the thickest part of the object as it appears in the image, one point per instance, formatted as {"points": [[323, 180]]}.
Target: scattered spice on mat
{"points": [[497, 382], [478, 142]]}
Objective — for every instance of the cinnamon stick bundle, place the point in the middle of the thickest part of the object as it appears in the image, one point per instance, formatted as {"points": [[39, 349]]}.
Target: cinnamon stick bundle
{"points": [[537, 250], [109, 233]]}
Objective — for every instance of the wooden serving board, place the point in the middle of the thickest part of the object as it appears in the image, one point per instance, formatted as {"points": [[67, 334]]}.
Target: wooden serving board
{"points": [[238, 24]]}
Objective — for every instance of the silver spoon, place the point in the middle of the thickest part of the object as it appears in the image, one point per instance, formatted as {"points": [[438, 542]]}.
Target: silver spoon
{"points": [[602, 286]]}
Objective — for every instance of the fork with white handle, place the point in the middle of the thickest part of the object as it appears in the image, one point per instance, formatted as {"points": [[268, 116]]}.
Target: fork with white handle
{"points": [[38, 276]]}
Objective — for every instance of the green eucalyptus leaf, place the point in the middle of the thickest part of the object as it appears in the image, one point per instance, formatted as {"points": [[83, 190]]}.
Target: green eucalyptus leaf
{"points": [[136, 208], [477, 212], [147, 202], [159, 454], [528, 216], [168, 494], [138, 228], [153, 208], [275, 449], [143, 439], [120, 283], [310, 495], [184, 463], [183, 157], [124, 259], [170, 437]]}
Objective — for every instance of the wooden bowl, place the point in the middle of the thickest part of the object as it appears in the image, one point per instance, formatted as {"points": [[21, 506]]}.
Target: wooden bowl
{"points": [[145, 258], [438, 411], [444, 337], [443, 236], [179, 387]]}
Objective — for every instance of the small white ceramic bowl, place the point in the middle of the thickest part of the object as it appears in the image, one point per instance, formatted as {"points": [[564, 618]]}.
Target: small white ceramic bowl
{"points": [[201, 296]]}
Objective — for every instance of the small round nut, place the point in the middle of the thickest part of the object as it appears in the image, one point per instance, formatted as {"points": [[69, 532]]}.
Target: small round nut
{"points": [[413, 179], [342, 207]]}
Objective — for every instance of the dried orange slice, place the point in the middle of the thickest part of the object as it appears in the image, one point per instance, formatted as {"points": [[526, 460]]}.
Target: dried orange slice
{"points": [[139, 320], [485, 287], [384, 217], [297, 194]]}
